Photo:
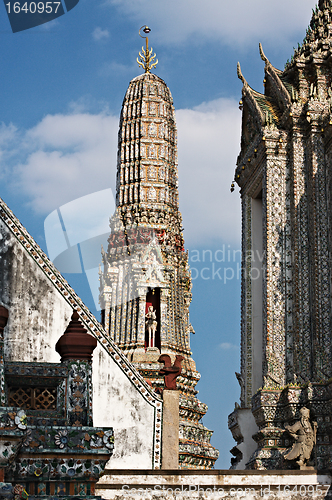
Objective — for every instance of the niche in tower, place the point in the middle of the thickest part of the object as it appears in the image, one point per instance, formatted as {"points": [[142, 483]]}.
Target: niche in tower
{"points": [[153, 299]]}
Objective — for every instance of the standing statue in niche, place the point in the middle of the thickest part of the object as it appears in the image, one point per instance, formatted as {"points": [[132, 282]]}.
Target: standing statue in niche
{"points": [[151, 325], [305, 438]]}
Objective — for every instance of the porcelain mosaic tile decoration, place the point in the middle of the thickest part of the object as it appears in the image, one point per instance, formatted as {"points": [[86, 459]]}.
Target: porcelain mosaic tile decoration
{"points": [[47, 443], [146, 264], [284, 172]]}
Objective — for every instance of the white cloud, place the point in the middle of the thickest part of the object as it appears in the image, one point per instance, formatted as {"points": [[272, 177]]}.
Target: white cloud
{"points": [[226, 346], [63, 157], [7, 133], [68, 156], [100, 34], [88, 103], [112, 68], [9, 137], [235, 22], [208, 145]]}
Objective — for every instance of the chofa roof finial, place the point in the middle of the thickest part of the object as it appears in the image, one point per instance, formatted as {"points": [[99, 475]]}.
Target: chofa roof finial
{"points": [[263, 56], [239, 74]]}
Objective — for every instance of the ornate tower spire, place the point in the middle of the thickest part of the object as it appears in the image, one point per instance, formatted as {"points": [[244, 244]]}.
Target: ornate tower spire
{"points": [[145, 287]]}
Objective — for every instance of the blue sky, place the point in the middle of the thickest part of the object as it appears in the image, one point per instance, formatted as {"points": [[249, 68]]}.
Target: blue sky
{"points": [[62, 86]]}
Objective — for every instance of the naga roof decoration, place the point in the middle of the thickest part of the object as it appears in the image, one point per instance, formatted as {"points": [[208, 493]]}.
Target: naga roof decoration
{"points": [[277, 82], [302, 80], [247, 91], [265, 108]]}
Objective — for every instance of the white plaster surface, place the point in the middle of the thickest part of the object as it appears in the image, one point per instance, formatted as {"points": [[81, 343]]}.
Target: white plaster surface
{"points": [[118, 404], [248, 428], [38, 316], [257, 294]]}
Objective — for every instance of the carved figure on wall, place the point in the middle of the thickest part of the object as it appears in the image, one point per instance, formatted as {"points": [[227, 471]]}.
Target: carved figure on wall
{"points": [[151, 325], [170, 372], [305, 438], [153, 268]]}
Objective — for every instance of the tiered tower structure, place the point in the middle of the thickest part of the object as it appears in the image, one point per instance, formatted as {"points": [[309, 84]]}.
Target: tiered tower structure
{"points": [[145, 287], [285, 175]]}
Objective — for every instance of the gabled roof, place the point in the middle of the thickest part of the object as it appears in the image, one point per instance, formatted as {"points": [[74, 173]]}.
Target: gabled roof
{"points": [[264, 106], [86, 317], [267, 106]]}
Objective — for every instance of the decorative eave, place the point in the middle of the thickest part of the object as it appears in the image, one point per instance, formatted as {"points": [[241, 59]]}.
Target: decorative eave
{"points": [[86, 318], [269, 109]]}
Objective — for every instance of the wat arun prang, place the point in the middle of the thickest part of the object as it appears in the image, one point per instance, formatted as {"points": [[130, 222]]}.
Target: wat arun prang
{"points": [[284, 171], [145, 288]]}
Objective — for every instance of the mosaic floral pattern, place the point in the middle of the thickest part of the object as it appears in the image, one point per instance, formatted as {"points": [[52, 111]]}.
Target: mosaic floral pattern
{"points": [[61, 439]]}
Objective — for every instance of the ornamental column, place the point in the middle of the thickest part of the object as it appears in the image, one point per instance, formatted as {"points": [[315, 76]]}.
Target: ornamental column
{"points": [[75, 348]]}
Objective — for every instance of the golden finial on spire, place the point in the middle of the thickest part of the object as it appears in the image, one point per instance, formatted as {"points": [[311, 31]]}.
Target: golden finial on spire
{"points": [[146, 58]]}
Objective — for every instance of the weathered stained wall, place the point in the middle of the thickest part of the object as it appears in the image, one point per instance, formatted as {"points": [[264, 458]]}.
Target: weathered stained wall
{"points": [[117, 401], [38, 316]]}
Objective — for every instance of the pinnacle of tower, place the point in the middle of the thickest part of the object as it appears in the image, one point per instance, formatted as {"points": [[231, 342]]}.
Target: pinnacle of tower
{"points": [[321, 22], [146, 59], [319, 33]]}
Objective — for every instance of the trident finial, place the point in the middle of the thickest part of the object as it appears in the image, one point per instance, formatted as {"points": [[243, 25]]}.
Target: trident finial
{"points": [[146, 58]]}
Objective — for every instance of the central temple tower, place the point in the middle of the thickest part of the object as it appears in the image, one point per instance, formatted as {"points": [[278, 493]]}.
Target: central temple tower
{"points": [[145, 287]]}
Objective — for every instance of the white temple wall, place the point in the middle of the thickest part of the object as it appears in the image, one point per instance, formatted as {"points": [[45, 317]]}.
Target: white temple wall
{"points": [[38, 316], [215, 485], [118, 403]]}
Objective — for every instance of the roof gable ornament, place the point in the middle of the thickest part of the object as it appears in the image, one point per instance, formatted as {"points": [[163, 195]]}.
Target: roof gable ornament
{"points": [[273, 73], [146, 59], [263, 56], [240, 75], [248, 92]]}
